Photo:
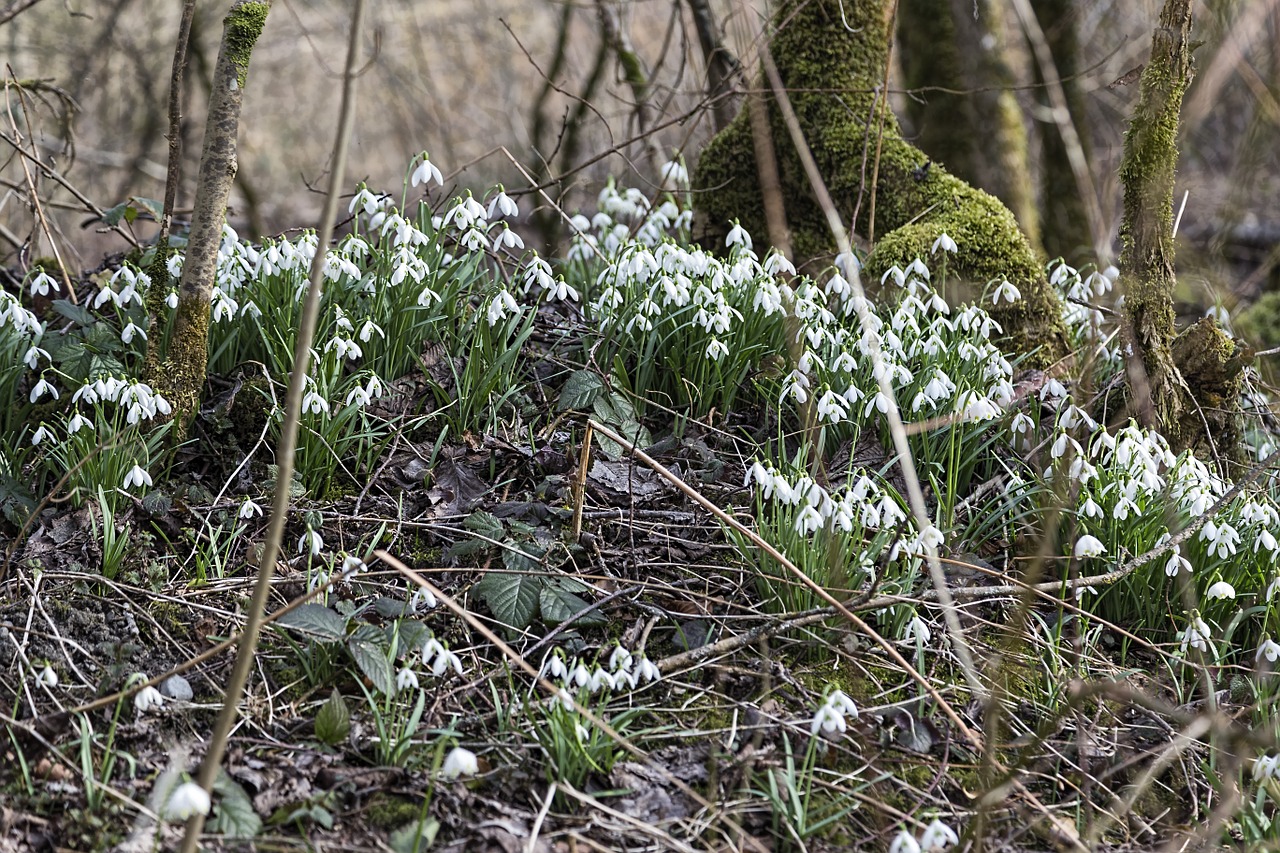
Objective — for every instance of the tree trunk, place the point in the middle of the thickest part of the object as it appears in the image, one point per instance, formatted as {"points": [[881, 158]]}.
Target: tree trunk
{"points": [[180, 372], [1066, 229], [962, 108], [832, 56], [1187, 386]]}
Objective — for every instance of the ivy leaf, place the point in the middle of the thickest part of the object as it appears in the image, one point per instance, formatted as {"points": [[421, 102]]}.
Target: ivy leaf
{"points": [[512, 599], [316, 621], [235, 816], [333, 722], [580, 391], [368, 647]]}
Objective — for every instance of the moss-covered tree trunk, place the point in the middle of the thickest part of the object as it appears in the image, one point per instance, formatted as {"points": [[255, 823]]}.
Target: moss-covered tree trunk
{"points": [[1064, 221], [831, 56], [179, 374], [1187, 385], [962, 108]]}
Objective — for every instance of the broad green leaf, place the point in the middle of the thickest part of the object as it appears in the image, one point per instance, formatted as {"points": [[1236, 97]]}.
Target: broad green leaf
{"points": [[415, 837], [580, 391], [333, 722], [75, 313], [558, 604], [617, 412], [234, 814], [413, 635], [368, 647], [512, 599], [523, 556], [316, 621], [483, 523]]}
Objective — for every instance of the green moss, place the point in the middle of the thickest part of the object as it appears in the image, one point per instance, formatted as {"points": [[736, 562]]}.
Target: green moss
{"points": [[1260, 322], [914, 202], [387, 811], [242, 27]]}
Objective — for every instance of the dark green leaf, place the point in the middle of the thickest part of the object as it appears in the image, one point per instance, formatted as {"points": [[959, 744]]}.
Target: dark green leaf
{"points": [[317, 621], [617, 412], [369, 649], [558, 604], [580, 391], [75, 313], [512, 599], [234, 815], [483, 523], [157, 503], [390, 608], [413, 635], [415, 837], [333, 721], [523, 556]]}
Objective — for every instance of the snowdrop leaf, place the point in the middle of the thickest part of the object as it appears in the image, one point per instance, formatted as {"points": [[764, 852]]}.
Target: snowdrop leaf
{"points": [[333, 722], [368, 647], [317, 621]]}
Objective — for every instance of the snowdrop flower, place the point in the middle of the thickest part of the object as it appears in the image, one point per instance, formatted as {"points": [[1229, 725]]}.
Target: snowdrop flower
{"points": [[675, 176], [78, 422], [352, 566], [249, 509], [444, 660], [620, 659], [48, 678], [509, 238], [601, 679], [648, 670], [1006, 291], [422, 599], [1176, 563], [1221, 590], [41, 434], [146, 699], [716, 350], [832, 407], [553, 666], [313, 403], [137, 476], [186, 800], [310, 541], [32, 357], [424, 174], [503, 204], [129, 332], [1265, 539], [944, 243], [827, 720], [917, 632], [41, 284], [904, 842], [1265, 767], [1196, 635], [460, 762], [738, 236], [1088, 546], [406, 680], [41, 388], [1269, 649], [499, 306], [1082, 591], [937, 836]]}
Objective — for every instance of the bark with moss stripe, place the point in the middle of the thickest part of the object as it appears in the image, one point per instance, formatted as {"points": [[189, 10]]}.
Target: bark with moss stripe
{"points": [[832, 67], [1189, 384]]}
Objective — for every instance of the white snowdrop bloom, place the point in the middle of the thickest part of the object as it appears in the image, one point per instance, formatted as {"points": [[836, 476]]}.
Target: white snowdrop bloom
{"points": [[48, 678], [832, 407], [352, 566], [406, 680], [1269, 649], [879, 402], [503, 204], [778, 263], [249, 509], [425, 173], [716, 350], [508, 238], [917, 632], [1006, 291], [41, 434], [828, 720], [146, 699], [1196, 635], [1082, 591], [738, 236], [422, 599], [918, 268], [1091, 508], [565, 698], [620, 659], [137, 476], [1220, 590], [43, 283], [1176, 563], [502, 304], [444, 660], [1089, 546], [944, 243], [796, 386], [904, 842], [32, 357], [310, 542], [365, 201], [315, 404], [975, 407], [1266, 767], [553, 666], [808, 521], [1053, 390], [41, 388], [78, 422], [186, 800], [937, 837], [1021, 423], [674, 176], [600, 679], [459, 762], [647, 670], [1265, 539]]}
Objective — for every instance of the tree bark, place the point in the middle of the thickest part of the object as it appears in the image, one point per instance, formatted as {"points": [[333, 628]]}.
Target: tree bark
{"points": [[1188, 386], [832, 57], [962, 108], [181, 371]]}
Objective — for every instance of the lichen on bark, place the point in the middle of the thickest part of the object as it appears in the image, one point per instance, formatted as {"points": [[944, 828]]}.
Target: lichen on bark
{"points": [[831, 57]]}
